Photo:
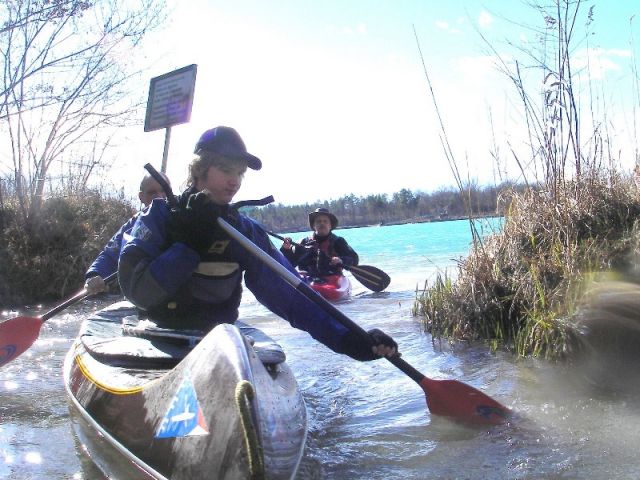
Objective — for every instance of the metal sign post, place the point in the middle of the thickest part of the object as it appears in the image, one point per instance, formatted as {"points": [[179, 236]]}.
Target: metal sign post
{"points": [[170, 101]]}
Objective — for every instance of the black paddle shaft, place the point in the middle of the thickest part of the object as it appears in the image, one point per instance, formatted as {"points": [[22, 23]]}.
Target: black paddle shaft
{"points": [[371, 277], [76, 298], [297, 283], [171, 198]]}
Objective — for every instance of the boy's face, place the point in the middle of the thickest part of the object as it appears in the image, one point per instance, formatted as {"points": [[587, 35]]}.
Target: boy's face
{"points": [[224, 180], [322, 225], [150, 191]]}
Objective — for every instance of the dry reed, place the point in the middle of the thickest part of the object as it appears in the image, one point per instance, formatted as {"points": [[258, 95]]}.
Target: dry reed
{"points": [[521, 288]]}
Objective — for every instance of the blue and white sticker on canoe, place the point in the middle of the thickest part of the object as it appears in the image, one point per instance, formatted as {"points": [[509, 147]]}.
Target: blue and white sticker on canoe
{"points": [[184, 417]]}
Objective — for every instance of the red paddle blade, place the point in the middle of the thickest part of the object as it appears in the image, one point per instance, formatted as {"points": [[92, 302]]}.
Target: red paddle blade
{"points": [[460, 401], [16, 336]]}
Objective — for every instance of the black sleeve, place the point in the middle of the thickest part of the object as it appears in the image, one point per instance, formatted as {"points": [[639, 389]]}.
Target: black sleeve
{"points": [[290, 255], [347, 254]]}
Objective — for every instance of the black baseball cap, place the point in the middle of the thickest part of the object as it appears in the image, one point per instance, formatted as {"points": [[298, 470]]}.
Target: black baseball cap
{"points": [[226, 141]]}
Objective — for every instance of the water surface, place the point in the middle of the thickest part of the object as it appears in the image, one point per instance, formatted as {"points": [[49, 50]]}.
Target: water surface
{"points": [[369, 420]]}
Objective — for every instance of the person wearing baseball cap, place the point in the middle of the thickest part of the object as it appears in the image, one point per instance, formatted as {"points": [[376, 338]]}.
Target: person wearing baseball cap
{"points": [[180, 268], [225, 141]]}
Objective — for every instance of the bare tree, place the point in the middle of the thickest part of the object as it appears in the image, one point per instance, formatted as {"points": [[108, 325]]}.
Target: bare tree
{"points": [[68, 84]]}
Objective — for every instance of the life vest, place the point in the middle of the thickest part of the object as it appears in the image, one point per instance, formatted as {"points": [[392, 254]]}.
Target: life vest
{"points": [[327, 245], [215, 287], [218, 276], [318, 264]]}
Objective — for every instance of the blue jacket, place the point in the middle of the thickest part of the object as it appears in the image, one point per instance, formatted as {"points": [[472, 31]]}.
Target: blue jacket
{"points": [[171, 281], [107, 260]]}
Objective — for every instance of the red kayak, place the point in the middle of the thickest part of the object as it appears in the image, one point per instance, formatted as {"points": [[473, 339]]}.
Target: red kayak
{"points": [[332, 287]]}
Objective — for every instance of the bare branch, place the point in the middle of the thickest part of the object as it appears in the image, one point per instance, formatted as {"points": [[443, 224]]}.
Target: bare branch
{"points": [[69, 71]]}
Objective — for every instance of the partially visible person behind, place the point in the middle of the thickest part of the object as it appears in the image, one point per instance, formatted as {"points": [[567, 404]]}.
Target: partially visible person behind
{"points": [[106, 262], [323, 253], [181, 269]]}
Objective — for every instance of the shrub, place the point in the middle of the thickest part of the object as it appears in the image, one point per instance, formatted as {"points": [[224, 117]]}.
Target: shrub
{"points": [[521, 287], [46, 256]]}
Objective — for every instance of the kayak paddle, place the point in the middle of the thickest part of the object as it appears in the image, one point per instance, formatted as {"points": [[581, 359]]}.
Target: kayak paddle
{"points": [[19, 333], [371, 277], [449, 398]]}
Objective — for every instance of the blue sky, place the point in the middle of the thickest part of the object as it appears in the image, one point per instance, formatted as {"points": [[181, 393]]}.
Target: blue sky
{"points": [[333, 98]]}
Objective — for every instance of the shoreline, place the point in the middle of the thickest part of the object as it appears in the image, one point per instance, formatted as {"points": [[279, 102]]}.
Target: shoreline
{"points": [[416, 220]]}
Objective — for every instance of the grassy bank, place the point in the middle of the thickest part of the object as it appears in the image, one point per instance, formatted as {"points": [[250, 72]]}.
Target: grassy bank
{"points": [[523, 288], [46, 256], [528, 288]]}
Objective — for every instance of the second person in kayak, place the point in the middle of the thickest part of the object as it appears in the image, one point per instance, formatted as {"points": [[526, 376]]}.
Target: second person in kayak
{"points": [[106, 262], [323, 253]]}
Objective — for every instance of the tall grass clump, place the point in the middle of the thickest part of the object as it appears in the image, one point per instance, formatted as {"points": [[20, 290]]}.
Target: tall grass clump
{"points": [[524, 287], [521, 287], [45, 256]]}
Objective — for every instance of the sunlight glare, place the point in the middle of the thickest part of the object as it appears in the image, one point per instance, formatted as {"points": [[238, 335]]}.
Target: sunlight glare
{"points": [[33, 457]]}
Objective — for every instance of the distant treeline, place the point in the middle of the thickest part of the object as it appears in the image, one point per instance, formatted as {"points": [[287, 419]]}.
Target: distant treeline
{"points": [[404, 206], [44, 256]]}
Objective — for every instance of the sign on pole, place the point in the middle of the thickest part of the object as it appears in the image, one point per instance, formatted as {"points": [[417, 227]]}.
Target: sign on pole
{"points": [[170, 98], [169, 103]]}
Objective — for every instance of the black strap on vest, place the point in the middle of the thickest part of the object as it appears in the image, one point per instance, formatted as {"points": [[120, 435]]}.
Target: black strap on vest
{"points": [[172, 200], [252, 203]]}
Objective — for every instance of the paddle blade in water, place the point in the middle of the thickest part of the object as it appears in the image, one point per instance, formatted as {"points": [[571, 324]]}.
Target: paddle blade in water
{"points": [[16, 336], [371, 277], [451, 398]]}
